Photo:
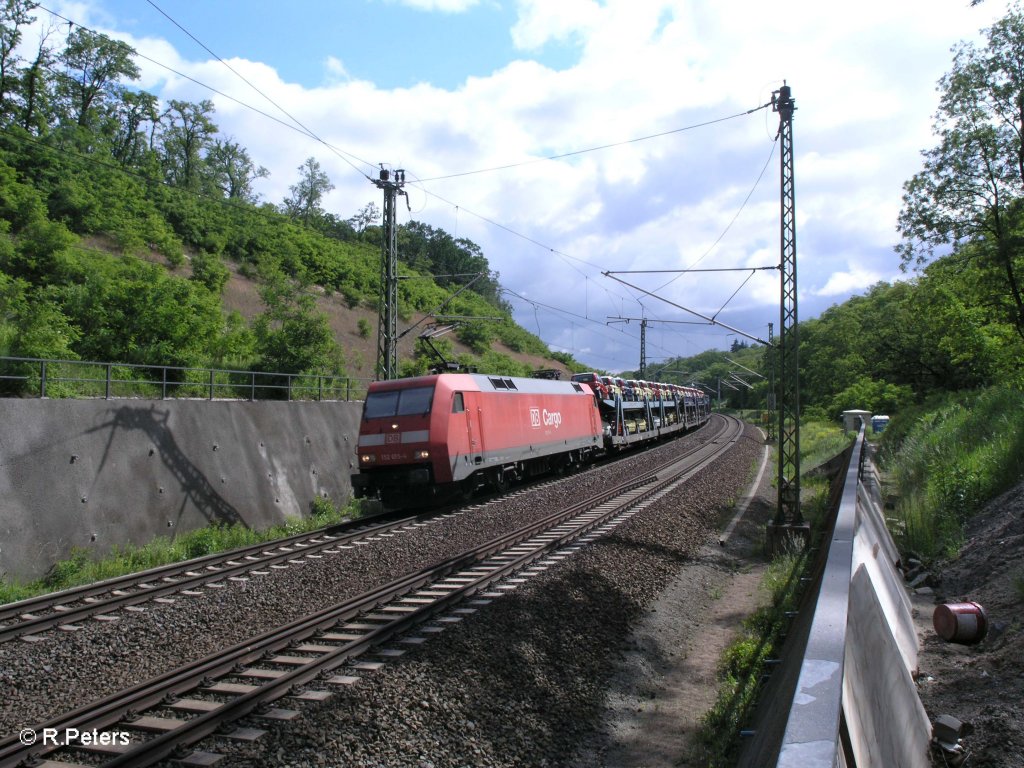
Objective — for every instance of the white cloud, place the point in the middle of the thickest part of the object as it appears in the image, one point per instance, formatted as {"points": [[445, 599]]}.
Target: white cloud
{"points": [[444, 6], [335, 69], [543, 21], [855, 280]]}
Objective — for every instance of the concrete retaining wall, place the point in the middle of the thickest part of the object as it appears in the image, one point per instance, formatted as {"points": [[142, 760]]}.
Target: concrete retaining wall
{"points": [[98, 473]]}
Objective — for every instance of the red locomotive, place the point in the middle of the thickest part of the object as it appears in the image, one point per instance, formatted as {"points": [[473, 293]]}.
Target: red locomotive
{"points": [[430, 437], [458, 432]]}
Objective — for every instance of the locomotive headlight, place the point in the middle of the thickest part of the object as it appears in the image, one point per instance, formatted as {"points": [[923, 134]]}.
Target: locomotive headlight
{"points": [[367, 458], [422, 454]]}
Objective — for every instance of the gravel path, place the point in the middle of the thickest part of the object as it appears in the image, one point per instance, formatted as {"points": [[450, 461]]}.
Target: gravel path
{"points": [[69, 669]]}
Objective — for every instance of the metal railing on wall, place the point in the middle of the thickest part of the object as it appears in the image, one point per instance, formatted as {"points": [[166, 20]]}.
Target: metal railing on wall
{"points": [[38, 377]]}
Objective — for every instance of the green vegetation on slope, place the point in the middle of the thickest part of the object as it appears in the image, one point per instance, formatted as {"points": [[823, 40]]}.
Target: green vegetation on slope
{"points": [[98, 180], [81, 568], [951, 461]]}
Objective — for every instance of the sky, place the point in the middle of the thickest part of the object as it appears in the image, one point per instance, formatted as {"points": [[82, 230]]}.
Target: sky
{"points": [[646, 102]]}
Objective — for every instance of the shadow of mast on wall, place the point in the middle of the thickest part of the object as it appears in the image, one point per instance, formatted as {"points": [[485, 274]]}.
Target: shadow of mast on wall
{"points": [[196, 488]]}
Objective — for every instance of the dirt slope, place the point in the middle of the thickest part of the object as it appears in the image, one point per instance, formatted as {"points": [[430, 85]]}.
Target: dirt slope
{"points": [[982, 684], [242, 294]]}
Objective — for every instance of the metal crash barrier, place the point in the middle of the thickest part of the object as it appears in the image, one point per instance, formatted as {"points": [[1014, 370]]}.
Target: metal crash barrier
{"points": [[843, 693]]}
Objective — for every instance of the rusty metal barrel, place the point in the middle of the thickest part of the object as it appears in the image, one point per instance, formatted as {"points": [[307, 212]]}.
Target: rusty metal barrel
{"points": [[964, 623]]}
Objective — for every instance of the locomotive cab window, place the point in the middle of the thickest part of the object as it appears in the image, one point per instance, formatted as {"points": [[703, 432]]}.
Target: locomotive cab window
{"points": [[458, 405], [398, 402]]}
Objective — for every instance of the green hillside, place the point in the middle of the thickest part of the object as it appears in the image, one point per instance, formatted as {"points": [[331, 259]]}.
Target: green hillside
{"points": [[124, 219]]}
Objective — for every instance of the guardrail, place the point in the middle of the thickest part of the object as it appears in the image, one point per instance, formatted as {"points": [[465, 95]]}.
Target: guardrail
{"points": [[38, 377], [843, 693]]}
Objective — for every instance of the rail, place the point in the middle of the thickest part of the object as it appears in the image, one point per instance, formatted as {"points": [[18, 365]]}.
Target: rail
{"points": [[364, 621], [40, 377]]}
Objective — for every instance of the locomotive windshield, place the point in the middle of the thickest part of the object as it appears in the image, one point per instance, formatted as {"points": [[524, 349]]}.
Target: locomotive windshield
{"points": [[398, 402]]}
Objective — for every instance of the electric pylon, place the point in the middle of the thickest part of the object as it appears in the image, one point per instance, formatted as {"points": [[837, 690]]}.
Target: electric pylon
{"points": [[788, 511], [387, 317]]}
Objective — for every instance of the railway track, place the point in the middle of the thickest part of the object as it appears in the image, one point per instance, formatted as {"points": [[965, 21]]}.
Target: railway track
{"points": [[38, 614], [164, 716], [26, 618]]}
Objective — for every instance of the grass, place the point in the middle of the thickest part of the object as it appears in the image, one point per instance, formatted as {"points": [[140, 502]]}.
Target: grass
{"points": [[814, 492], [744, 662], [82, 568], [819, 442], [952, 461]]}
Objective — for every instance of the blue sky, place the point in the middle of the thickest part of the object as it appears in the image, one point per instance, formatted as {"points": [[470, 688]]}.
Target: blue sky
{"points": [[441, 87], [387, 42]]}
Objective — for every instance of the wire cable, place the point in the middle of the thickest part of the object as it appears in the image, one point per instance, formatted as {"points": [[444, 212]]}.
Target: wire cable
{"points": [[602, 146], [301, 129], [304, 130], [237, 74], [743, 205]]}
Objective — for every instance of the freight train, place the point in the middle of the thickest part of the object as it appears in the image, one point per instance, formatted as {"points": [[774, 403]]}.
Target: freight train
{"points": [[430, 438]]}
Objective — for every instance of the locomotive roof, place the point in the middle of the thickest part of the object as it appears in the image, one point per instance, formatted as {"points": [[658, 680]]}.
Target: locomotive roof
{"points": [[485, 383], [480, 382]]}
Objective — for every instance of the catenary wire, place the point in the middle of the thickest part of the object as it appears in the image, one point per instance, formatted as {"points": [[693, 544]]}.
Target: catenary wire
{"points": [[602, 146]]}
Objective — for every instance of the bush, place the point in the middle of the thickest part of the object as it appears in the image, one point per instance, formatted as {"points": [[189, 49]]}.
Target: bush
{"points": [[209, 270]]}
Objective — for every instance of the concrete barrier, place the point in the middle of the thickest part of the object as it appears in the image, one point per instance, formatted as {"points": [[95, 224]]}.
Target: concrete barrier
{"points": [[94, 474]]}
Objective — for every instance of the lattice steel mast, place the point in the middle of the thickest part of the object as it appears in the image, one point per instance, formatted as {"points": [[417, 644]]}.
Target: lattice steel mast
{"points": [[387, 318], [643, 348], [788, 512]]}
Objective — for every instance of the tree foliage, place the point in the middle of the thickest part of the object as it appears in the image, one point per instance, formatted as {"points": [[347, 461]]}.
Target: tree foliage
{"points": [[968, 195], [308, 192], [95, 68]]}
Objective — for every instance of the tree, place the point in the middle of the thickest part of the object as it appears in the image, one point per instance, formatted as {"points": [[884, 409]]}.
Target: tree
{"points": [[293, 336], [970, 191], [185, 140], [368, 214], [14, 15], [308, 193], [35, 91], [452, 261], [233, 171], [133, 111], [94, 67]]}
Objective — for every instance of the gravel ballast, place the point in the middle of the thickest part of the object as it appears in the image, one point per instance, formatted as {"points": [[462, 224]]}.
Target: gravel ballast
{"points": [[523, 681], [518, 683]]}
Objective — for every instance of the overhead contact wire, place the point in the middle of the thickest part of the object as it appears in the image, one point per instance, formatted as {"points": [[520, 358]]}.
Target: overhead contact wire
{"points": [[602, 146], [241, 77]]}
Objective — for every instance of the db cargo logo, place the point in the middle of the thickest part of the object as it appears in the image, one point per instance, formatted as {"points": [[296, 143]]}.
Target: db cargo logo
{"points": [[545, 417], [392, 437]]}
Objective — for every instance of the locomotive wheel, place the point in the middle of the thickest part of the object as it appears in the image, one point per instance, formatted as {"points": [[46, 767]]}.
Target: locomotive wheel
{"points": [[501, 481]]}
